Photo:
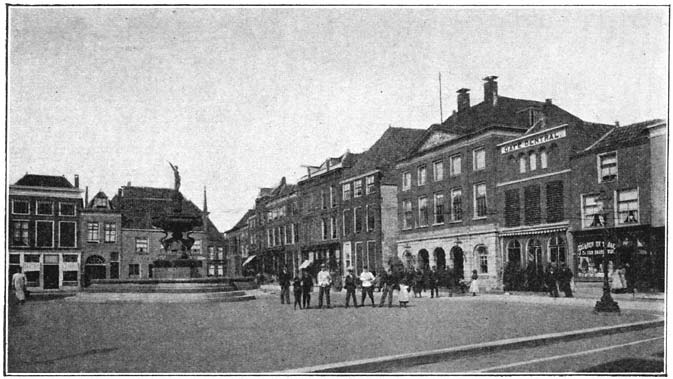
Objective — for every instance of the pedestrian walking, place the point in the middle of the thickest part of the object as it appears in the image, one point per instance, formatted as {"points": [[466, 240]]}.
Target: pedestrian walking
{"points": [[474, 285], [387, 286], [618, 284], [324, 283], [306, 289], [551, 278], [628, 276], [349, 285], [403, 295], [565, 278], [432, 282], [284, 279], [367, 280], [19, 283], [417, 283], [296, 288]]}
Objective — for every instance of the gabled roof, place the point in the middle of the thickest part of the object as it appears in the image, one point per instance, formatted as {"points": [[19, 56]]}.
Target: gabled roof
{"points": [[100, 202], [44, 181], [243, 222], [394, 144], [633, 134]]}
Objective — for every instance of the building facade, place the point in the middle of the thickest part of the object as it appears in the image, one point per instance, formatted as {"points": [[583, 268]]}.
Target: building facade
{"points": [[44, 214], [100, 233]]}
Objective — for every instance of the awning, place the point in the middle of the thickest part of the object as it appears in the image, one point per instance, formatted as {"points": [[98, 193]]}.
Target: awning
{"points": [[250, 258], [305, 264]]}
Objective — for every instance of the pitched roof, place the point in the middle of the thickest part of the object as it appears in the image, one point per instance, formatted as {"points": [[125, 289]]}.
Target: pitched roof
{"points": [[100, 202], [632, 134], [394, 144], [44, 181], [243, 222]]}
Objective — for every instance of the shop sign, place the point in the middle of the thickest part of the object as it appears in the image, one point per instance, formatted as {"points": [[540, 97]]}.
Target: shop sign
{"points": [[533, 141], [591, 248]]}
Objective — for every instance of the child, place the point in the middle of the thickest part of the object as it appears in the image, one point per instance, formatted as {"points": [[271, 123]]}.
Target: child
{"points": [[296, 287], [474, 286], [403, 295]]}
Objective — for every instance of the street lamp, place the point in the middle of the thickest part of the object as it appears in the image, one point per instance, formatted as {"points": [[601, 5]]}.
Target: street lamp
{"points": [[606, 303]]}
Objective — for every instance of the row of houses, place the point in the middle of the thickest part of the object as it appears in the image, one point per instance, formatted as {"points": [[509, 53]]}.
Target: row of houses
{"points": [[62, 241], [504, 185]]}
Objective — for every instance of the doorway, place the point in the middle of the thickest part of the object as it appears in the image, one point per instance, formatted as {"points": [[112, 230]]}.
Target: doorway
{"points": [[440, 258], [50, 276], [457, 258], [424, 259]]}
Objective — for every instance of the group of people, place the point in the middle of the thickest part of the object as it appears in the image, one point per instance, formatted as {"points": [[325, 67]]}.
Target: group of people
{"points": [[558, 279], [387, 282]]}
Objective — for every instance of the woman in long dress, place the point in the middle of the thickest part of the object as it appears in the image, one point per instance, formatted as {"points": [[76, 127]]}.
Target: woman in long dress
{"points": [[474, 285], [617, 280]]}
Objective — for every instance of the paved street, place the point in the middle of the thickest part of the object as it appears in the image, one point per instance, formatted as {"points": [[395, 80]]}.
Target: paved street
{"points": [[265, 336]]}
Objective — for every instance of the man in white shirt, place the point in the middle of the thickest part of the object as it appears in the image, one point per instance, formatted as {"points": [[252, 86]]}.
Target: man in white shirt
{"points": [[19, 283], [324, 282], [367, 279]]}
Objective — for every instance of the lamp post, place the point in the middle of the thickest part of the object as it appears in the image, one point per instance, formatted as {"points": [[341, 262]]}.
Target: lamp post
{"points": [[606, 303]]}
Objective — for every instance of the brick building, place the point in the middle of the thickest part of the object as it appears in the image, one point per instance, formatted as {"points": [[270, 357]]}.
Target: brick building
{"points": [[100, 228], [368, 202], [613, 197], [141, 242], [241, 243], [44, 213]]}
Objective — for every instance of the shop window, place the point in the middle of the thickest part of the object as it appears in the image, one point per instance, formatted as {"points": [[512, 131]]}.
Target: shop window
{"points": [[406, 181], [20, 234], [45, 233], [141, 245], [607, 167], [32, 258], [479, 159], [45, 208], [110, 232], [70, 278], [456, 165], [627, 207], [422, 172], [92, 232], [371, 188], [408, 215], [482, 254], [592, 212], [67, 234], [512, 208], [438, 170], [32, 278], [20, 207], [439, 208], [480, 200], [66, 209], [514, 252], [422, 211], [346, 194], [71, 258], [456, 205], [557, 250], [357, 188], [531, 200]]}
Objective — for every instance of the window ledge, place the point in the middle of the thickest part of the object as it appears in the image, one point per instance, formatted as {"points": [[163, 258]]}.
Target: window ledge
{"points": [[479, 218], [438, 224], [455, 221]]}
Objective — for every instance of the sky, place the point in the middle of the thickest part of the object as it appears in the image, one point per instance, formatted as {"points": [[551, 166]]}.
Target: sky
{"points": [[239, 97]]}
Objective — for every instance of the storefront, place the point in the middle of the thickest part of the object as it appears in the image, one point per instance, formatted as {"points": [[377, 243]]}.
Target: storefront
{"points": [[47, 270]]}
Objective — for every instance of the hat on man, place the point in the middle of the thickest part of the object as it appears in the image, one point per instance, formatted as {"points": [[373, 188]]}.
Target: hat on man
{"points": [[350, 269], [322, 265]]}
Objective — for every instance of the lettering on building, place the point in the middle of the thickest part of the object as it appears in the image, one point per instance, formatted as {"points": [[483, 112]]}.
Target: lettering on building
{"points": [[533, 141]]}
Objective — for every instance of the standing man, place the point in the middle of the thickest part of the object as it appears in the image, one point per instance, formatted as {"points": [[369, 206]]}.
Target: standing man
{"points": [[19, 283], [306, 288], [324, 281], [367, 279], [284, 279], [565, 277], [432, 282], [387, 283], [349, 285]]}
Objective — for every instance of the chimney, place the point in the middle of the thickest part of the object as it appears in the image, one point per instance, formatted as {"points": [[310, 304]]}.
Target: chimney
{"points": [[86, 196], [491, 90], [617, 123], [463, 99], [547, 101], [76, 181]]}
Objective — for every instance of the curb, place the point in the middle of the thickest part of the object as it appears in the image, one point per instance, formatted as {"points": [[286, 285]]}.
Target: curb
{"points": [[434, 356]]}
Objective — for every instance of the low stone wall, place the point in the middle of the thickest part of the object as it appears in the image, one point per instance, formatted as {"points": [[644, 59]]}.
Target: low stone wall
{"points": [[172, 272]]}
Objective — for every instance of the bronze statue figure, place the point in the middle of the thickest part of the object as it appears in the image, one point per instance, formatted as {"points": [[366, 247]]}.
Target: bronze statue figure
{"points": [[177, 176]]}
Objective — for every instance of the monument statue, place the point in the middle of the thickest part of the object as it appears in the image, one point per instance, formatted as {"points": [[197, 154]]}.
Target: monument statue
{"points": [[177, 176]]}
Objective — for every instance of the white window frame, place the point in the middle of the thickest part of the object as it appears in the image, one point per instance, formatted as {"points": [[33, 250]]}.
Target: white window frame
{"points": [[291, 234], [599, 167], [435, 164], [52, 232], [59, 233], [11, 233], [346, 191], [482, 257], [421, 180], [60, 210], [105, 230], [404, 214], [474, 202], [455, 191], [618, 218], [323, 229], [196, 247], [434, 208], [357, 188], [37, 208], [453, 159], [599, 204], [147, 242], [88, 232], [332, 199], [420, 218], [21, 201], [370, 184], [333, 228], [475, 161], [406, 181]]}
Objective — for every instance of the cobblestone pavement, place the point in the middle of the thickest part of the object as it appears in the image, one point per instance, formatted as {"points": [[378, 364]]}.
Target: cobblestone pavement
{"points": [[264, 336]]}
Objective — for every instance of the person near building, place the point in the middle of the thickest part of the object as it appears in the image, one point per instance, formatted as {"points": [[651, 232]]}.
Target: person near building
{"points": [[306, 289], [19, 283], [618, 284], [284, 279], [349, 285], [474, 285], [565, 278], [387, 283], [324, 283], [403, 295], [551, 277], [432, 282], [296, 289], [628, 275], [417, 284], [367, 280]]}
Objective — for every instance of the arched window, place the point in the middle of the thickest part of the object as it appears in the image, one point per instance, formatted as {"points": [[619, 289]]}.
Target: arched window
{"points": [[534, 254], [514, 252], [482, 259], [522, 163], [557, 250], [533, 160], [543, 158], [95, 260]]}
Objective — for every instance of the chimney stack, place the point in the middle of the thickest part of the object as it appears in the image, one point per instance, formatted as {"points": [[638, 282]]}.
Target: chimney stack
{"points": [[86, 196], [463, 99], [76, 181], [491, 90], [617, 123]]}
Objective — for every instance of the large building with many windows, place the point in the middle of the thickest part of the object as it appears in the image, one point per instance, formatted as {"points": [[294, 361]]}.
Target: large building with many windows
{"points": [[44, 214]]}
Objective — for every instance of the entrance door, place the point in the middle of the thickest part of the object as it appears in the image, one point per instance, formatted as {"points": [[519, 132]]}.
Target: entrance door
{"points": [[424, 259], [457, 257], [50, 276], [440, 258]]}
